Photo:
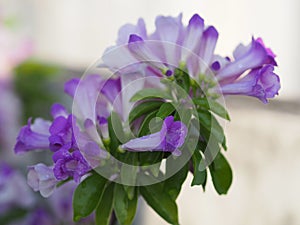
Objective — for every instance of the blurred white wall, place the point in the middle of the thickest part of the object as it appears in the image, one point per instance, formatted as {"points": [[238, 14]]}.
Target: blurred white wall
{"points": [[75, 32]]}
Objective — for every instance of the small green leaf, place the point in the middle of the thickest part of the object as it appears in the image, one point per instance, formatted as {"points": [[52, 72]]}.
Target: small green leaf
{"points": [[104, 209], [199, 176], [162, 203], [165, 110], [144, 108], [150, 93], [221, 174], [124, 208], [213, 106], [87, 196]]}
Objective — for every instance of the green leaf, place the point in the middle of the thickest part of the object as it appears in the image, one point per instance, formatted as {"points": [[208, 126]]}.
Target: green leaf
{"points": [[87, 196], [200, 177], [150, 93], [144, 108], [145, 129], [165, 110], [213, 106], [129, 171], [125, 208], [162, 203], [172, 185], [221, 174], [212, 127], [104, 209], [116, 131]]}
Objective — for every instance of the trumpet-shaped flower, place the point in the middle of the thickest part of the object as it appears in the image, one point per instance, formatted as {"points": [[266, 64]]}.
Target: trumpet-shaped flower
{"points": [[169, 139]]}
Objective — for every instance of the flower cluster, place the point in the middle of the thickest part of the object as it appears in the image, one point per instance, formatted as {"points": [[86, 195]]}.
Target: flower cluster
{"points": [[174, 45], [159, 105]]}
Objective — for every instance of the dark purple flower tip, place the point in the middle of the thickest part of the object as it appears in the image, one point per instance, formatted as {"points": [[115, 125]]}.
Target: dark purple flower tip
{"points": [[211, 33], [134, 38], [216, 66], [228, 59], [169, 73], [101, 120], [33, 136], [71, 85], [196, 21]]}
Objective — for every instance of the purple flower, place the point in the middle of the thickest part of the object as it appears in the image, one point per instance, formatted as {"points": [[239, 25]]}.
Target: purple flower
{"points": [[85, 95], [33, 136], [41, 178], [62, 136], [168, 139], [261, 83], [12, 186], [246, 57], [70, 164]]}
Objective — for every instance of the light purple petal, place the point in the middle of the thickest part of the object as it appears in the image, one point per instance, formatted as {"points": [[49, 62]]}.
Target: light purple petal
{"points": [[207, 47], [128, 29], [145, 143], [71, 85], [169, 139], [254, 57], [41, 178], [58, 110], [33, 136], [193, 33]]}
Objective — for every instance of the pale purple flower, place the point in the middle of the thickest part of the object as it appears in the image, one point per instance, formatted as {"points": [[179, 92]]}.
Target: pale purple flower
{"points": [[169, 139], [61, 201], [248, 57], [9, 117], [41, 178], [33, 136], [12, 186], [261, 83]]}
